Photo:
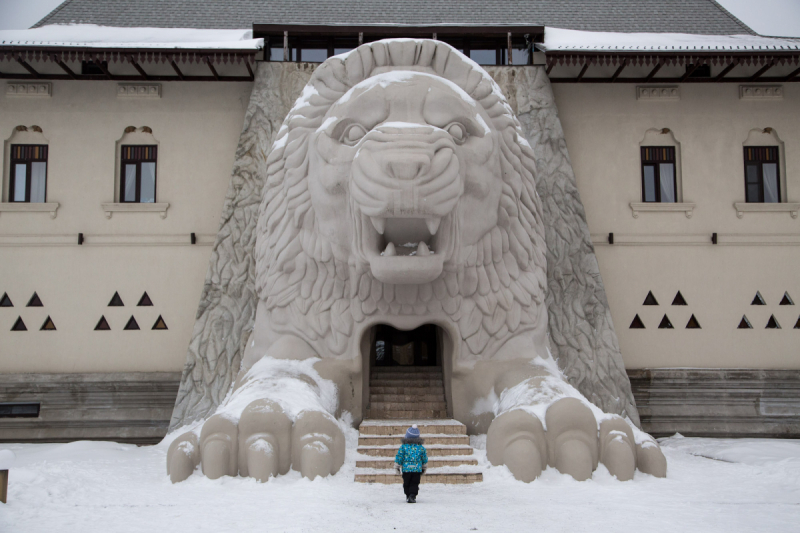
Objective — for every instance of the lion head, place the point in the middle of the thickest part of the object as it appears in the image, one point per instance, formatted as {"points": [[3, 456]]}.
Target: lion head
{"points": [[400, 183]]}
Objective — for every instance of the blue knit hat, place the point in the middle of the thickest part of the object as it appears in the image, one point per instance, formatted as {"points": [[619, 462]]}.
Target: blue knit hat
{"points": [[412, 432]]}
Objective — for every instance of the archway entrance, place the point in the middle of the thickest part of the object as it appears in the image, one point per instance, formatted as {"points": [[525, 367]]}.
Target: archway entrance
{"points": [[394, 347]]}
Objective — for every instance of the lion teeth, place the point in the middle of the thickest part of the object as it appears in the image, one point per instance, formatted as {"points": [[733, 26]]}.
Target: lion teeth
{"points": [[389, 251], [433, 224], [379, 224], [422, 249]]}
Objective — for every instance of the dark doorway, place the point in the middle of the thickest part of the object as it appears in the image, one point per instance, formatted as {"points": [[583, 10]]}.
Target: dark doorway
{"points": [[394, 347]]}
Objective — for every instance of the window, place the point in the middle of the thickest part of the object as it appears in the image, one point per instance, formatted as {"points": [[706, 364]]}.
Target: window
{"points": [[658, 174], [761, 174], [28, 173], [138, 174]]}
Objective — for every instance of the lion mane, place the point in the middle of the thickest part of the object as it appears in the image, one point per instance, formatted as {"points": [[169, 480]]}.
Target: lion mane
{"points": [[317, 290]]}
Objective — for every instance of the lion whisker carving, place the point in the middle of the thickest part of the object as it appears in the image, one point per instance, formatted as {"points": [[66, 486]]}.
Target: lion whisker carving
{"points": [[400, 191]]}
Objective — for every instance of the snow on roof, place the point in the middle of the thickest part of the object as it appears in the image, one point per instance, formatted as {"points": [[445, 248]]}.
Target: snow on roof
{"points": [[93, 36], [557, 39]]}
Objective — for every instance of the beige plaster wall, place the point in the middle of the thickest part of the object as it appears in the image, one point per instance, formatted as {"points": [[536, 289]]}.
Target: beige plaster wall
{"points": [[666, 252], [197, 126]]}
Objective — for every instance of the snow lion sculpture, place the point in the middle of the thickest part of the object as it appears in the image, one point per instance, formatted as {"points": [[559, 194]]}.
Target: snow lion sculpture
{"points": [[398, 142]]}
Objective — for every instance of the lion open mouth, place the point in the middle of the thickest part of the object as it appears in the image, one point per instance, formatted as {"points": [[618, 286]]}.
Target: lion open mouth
{"points": [[406, 250]]}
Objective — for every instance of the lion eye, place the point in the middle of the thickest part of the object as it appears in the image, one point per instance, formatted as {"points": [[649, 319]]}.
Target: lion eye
{"points": [[457, 132], [353, 134]]}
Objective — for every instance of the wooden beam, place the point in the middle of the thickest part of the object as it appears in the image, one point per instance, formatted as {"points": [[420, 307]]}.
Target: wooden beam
{"points": [[26, 66], [176, 69], [690, 71], [619, 71], [792, 75], [211, 68], [138, 68], [509, 61], [550, 68], [762, 71], [653, 73], [582, 72], [104, 69], [64, 67], [724, 72], [249, 69]]}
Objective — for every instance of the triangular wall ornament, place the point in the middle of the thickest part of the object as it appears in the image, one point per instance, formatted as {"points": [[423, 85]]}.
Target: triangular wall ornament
{"points": [[116, 301], [5, 301], [102, 325], [797, 324], [48, 325], [744, 324], [758, 299], [131, 325], [650, 299], [637, 323], [693, 323], [772, 323], [35, 301], [19, 325], [665, 323], [160, 324], [678, 300], [145, 301], [787, 300]]}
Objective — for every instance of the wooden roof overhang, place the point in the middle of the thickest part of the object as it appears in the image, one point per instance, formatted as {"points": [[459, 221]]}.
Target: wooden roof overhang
{"points": [[380, 31], [764, 60], [139, 58]]}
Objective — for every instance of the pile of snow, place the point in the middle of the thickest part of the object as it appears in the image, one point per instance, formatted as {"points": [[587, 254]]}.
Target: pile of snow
{"points": [[566, 40], [93, 36]]}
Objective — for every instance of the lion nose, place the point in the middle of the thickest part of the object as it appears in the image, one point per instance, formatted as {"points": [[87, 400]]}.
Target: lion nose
{"points": [[409, 167]]}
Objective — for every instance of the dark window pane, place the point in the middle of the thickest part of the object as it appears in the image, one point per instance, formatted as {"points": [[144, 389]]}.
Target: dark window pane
{"points": [[753, 193], [337, 51], [666, 175], [484, 57], [129, 184], [770, 183], [20, 182], [38, 184], [649, 183], [148, 188]]}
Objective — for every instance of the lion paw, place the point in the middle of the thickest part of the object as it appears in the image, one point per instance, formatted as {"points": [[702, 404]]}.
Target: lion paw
{"points": [[571, 444], [263, 444]]}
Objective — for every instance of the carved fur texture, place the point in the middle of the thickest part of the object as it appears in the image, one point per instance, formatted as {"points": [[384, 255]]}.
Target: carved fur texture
{"points": [[317, 288]]}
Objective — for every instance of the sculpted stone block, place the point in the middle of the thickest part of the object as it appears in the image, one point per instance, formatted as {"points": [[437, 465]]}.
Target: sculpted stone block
{"points": [[401, 190]]}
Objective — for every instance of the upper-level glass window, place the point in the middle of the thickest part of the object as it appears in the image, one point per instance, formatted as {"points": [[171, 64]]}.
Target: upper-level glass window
{"points": [[761, 174], [658, 174], [138, 174], [28, 173]]}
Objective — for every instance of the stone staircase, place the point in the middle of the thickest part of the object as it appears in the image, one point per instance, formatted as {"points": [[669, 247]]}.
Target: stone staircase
{"points": [[406, 393], [399, 397], [450, 457]]}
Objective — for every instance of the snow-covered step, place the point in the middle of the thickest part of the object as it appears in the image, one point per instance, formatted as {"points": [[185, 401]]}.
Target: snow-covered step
{"points": [[439, 475], [378, 440], [422, 413], [399, 427], [434, 450], [433, 462]]}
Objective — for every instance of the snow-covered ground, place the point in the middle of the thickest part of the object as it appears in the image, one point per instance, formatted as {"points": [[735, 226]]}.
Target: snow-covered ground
{"points": [[725, 485]]}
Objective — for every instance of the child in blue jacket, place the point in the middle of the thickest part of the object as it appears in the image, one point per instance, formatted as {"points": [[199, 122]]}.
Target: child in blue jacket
{"points": [[411, 461]]}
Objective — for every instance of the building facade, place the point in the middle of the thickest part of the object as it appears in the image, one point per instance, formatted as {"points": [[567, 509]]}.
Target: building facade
{"points": [[119, 145]]}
